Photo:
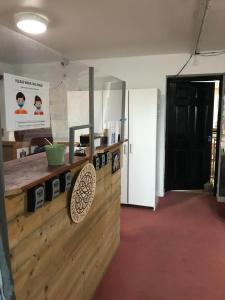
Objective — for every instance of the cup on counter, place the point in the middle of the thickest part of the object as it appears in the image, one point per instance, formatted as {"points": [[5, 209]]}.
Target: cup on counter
{"points": [[55, 154]]}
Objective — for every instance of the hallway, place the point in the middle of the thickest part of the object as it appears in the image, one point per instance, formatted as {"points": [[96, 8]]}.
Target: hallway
{"points": [[175, 253]]}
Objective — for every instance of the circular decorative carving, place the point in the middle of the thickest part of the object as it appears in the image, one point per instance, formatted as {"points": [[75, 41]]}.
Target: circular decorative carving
{"points": [[83, 193]]}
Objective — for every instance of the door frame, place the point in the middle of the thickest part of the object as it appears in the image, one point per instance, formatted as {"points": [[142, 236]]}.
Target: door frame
{"points": [[201, 77]]}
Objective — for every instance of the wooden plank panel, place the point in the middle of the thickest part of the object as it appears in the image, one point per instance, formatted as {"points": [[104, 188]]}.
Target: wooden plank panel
{"points": [[15, 206], [68, 259], [53, 258], [19, 253], [95, 271], [23, 225], [37, 265], [104, 172], [48, 232], [86, 263]]}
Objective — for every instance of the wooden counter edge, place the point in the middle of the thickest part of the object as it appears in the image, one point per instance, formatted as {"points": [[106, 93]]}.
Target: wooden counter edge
{"points": [[105, 148], [56, 171], [13, 192]]}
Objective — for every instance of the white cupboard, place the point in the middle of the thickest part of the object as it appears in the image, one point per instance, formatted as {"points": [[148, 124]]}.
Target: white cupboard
{"points": [[125, 158], [124, 174], [142, 133]]}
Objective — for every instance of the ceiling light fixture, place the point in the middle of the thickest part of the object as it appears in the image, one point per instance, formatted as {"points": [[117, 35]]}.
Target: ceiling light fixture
{"points": [[31, 23]]}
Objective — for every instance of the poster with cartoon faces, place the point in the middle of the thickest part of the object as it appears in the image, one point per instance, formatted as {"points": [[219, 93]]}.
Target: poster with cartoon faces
{"points": [[26, 103]]}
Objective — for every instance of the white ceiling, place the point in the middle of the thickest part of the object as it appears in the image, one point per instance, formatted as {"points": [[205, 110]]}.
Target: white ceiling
{"points": [[213, 37], [82, 29]]}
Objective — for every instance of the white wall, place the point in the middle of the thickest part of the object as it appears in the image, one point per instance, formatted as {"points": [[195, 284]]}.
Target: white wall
{"points": [[151, 72], [6, 68]]}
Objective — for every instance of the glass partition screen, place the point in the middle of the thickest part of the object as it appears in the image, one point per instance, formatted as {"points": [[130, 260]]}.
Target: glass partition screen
{"points": [[108, 100]]}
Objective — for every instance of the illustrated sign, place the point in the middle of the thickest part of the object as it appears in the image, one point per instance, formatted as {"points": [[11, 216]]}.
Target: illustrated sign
{"points": [[26, 103], [22, 152], [115, 161], [83, 193]]}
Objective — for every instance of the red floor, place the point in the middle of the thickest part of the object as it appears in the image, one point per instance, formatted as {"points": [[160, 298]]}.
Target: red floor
{"points": [[175, 253]]}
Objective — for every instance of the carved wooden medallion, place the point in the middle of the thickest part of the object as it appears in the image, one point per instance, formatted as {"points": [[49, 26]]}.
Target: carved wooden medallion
{"points": [[83, 193]]}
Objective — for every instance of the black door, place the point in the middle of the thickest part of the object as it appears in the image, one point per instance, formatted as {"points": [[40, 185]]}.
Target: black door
{"points": [[189, 131]]}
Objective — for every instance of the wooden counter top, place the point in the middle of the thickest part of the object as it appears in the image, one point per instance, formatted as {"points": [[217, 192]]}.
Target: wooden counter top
{"points": [[25, 173], [104, 148]]}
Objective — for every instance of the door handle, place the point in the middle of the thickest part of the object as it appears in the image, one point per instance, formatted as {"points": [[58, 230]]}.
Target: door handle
{"points": [[125, 149], [131, 149]]}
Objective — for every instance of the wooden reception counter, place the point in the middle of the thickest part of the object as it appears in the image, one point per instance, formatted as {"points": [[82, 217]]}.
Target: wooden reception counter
{"points": [[52, 257]]}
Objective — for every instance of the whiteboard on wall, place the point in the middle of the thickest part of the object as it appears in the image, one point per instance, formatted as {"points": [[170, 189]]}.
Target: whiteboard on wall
{"points": [[26, 103]]}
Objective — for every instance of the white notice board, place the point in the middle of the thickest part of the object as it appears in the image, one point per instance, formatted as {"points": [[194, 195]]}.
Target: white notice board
{"points": [[26, 103]]}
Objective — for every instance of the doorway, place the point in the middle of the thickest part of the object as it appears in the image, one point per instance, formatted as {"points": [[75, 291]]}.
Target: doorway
{"points": [[192, 131]]}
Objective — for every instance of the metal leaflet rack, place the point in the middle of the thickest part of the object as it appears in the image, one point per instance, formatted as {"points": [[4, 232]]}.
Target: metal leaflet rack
{"points": [[71, 142]]}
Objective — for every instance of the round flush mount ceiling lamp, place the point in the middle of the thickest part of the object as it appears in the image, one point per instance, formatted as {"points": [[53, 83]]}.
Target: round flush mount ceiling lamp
{"points": [[31, 23]]}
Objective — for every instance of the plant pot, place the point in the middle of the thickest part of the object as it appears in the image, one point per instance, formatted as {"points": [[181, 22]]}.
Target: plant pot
{"points": [[55, 154]]}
